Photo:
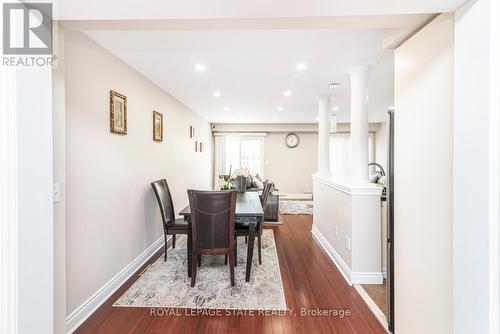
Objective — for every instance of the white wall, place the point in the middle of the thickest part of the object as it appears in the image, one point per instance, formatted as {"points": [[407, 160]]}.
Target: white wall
{"points": [[333, 221], [423, 180], [111, 213], [476, 167], [59, 176], [381, 145], [291, 168], [35, 229], [346, 223]]}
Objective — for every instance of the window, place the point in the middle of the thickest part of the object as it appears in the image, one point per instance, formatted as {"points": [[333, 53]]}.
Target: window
{"points": [[239, 151]]}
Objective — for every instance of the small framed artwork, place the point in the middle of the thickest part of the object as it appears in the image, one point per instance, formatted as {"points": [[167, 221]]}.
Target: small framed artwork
{"points": [[196, 146], [118, 112], [191, 132], [201, 146], [157, 126]]}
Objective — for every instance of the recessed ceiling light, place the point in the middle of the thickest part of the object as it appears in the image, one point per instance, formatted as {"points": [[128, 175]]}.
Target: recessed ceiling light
{"points": [[335, 108], [216, 93], [287, 93], [280, 108], [226, 108], [274, 119], [333, 85], [301, 66], [199, 67], [317, 118]]}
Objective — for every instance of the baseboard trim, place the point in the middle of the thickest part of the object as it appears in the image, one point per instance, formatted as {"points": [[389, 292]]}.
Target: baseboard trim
{"points": [[367, 278], [350, 277], [84, 311], [332, 253]]}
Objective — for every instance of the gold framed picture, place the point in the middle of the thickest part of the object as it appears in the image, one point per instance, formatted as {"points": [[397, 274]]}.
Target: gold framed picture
{"points": [[201, 146], [191, 131], [196, 146], [157, 126], [118, 112]]}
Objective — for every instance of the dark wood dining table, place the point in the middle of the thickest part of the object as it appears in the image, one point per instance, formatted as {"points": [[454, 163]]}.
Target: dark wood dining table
{"points": [[248, 206]]}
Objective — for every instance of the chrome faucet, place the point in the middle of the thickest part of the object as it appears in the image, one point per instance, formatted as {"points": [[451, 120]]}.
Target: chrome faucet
{"points": [[382, 171]]}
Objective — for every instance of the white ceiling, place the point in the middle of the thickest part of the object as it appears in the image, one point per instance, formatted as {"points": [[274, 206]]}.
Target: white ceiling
{"points": [[252, 68], [251, 48], [209, 9]]}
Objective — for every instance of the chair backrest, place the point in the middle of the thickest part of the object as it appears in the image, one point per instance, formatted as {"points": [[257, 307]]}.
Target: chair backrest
{"points": [[164, 199], [212, 218], [265, 193]]}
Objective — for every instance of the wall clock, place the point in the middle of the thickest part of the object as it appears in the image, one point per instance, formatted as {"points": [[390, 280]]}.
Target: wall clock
{"points": [[292, 140]]}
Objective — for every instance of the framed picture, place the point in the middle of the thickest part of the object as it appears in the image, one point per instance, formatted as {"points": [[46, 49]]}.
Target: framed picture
{"points": [[196, 146], [191, 132], [201, 146], [118, 112], [157, 126]]}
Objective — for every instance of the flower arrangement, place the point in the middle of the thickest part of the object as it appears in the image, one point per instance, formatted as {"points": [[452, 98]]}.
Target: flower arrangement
{"points": [[225, 184], [240, 172]]}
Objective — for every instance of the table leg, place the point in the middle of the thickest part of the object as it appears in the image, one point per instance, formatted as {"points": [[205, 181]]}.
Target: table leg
{"points": [[251, 239], [189, 246]]}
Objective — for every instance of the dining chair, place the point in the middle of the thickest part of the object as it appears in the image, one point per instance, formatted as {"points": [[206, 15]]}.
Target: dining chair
{"points": [[243, 224], [212, 226], [171, 226]]}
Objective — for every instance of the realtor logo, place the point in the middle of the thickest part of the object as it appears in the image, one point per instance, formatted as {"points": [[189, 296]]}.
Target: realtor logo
{"points": [[27, 28]]}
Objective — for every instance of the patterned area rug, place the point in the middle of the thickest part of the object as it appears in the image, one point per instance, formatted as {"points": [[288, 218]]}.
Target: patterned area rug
{"points": [[166, 284], [296, 207]]}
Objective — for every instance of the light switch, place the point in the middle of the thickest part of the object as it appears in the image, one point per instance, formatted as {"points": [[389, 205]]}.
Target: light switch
{"points": [[56, 192], [336, 230], [348, 243]]}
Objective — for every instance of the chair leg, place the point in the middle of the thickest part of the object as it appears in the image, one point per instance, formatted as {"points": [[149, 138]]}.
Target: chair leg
{"points": [[231, 266], [165, 248], [236, 252], [259, 248], [246, 239], [193, 270], [199, 261], [225, 260], [173, 241]]}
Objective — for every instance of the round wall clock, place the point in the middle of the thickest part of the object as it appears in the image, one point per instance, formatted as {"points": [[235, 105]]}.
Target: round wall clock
{"points": [[292, 140]]}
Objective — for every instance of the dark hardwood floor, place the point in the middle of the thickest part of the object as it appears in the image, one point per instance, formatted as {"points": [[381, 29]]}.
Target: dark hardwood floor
{"points": [[311, 281]]}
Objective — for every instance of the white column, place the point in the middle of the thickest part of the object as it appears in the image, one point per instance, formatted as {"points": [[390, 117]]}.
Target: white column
{"points": [[323, 136], [359, 123]]}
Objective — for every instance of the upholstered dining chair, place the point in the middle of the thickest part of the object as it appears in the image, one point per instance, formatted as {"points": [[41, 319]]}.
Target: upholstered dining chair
{"points": [[243, 225], [212, 226], [171, 226]]}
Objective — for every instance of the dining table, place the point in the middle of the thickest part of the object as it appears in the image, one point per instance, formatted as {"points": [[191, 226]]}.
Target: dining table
{"points": [[248, 207]]}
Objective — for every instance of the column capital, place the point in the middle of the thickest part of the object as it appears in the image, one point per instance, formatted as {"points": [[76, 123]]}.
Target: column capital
{"points": [[324, 98], [361, 68], [359, 74], [324, 102]]}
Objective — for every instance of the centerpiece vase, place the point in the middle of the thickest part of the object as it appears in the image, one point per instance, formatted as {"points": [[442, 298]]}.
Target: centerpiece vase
{"points": [[241, 183]]}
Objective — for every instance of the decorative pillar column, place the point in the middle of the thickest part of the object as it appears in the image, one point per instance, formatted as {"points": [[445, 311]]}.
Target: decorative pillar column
{"points": [[323, 135], [359, 123]]}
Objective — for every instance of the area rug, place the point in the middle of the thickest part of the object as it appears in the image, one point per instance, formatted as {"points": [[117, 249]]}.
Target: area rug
{"points": [[166, 284], [296, 207]]}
